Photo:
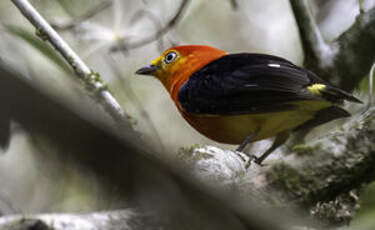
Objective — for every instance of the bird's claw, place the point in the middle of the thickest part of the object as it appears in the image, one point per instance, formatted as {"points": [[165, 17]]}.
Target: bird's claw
{"points": [[255, 159], [258, 161], [252, 158]]}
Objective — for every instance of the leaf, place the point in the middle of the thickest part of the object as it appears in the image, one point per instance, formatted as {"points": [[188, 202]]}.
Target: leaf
{"points": [[41, 46]]}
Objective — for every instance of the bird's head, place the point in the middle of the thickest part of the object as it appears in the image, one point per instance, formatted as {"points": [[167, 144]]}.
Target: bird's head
{"points": [[176, 64]]}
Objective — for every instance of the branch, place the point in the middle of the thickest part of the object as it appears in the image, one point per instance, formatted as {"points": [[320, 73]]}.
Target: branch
{"points": [[321, 178], [159, 33], [129, 219], [91, 79], [92, 221], [345, 61]]}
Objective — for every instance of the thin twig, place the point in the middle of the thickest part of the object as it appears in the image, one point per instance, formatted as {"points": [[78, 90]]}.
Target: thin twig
{"points": [[159, 33], [87, 15], [83, 72]]}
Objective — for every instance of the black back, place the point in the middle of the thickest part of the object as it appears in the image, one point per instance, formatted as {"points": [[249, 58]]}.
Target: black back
{"points": [[247, 83]]}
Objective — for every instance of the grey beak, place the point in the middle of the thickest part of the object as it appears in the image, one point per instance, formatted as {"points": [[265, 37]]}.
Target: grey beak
{"points": [[147, 70]]}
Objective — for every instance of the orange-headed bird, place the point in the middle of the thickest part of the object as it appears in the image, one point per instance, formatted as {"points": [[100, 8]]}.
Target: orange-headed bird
{"points": [[245, 97]]}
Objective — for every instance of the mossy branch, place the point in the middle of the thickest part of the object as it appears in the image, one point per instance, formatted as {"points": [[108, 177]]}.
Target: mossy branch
{"points": [[314, 177]]}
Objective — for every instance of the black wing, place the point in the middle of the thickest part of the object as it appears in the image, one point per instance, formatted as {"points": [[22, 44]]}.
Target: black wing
{"points": [[247, 83]]}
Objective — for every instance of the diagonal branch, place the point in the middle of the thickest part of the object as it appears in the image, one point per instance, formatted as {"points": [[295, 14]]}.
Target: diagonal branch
{"points": [[346, 60], [91, 79]]}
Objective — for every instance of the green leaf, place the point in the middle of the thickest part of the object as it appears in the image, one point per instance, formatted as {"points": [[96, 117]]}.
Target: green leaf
{"points": [[41, 46]]}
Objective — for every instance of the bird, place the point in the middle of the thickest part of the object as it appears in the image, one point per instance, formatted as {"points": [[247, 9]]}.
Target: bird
{"points": [[241, 98]]}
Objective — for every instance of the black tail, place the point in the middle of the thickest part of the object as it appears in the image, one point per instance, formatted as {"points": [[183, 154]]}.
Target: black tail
{"points": [[337, 95], [324, 116]]}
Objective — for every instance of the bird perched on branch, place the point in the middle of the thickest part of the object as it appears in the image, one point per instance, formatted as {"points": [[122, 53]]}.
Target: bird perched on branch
{"points": [[245, 97]]}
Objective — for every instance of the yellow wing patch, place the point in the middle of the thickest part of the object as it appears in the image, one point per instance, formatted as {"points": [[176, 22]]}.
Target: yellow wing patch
{"points": [[316, 88]]}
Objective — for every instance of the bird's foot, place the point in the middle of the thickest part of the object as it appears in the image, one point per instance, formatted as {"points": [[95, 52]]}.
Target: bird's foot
{"points": [[255, 159], [251, 158], [245, 157], [258, 161]]}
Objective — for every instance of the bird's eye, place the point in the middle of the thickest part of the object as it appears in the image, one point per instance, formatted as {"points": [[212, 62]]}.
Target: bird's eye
{"points": [[170, 57]]}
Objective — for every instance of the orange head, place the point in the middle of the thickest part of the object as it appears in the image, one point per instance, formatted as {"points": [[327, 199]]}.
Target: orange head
{"points": [[176, 64]]}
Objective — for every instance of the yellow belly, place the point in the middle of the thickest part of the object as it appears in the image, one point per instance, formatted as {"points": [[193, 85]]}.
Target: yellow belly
{"points": [[233, 129]]}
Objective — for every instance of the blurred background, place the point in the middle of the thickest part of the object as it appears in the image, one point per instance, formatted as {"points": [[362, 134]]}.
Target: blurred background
{"points": [[105, 34]]}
